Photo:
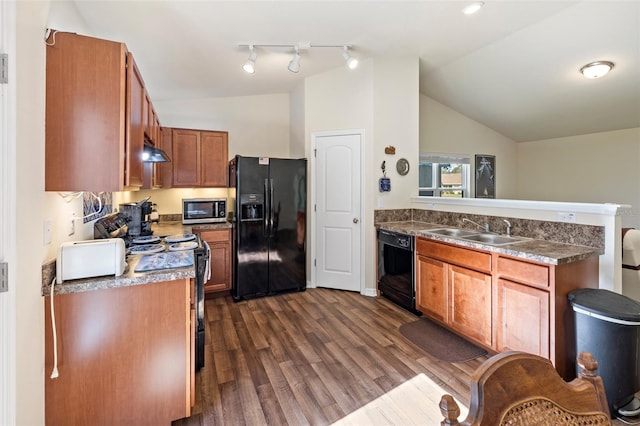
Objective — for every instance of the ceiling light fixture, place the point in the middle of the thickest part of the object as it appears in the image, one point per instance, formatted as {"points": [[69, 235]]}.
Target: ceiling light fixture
{"points": [[473, 8], [596, 69], [250, 65], [352, 62], [294, 65]]}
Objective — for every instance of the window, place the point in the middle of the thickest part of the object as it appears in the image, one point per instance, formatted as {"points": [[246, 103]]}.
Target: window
{"points": [[444, 175]]}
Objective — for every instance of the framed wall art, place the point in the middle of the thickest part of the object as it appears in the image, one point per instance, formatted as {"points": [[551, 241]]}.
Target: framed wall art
{"points": [[485, 176]]}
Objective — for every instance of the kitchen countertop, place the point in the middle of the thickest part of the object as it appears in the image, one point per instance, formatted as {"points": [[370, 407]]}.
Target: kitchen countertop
{"points": [[129, 277], [549, 252]]}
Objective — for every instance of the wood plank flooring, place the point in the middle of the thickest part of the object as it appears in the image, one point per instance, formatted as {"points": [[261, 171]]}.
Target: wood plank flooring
{"points": [[318, 357]]}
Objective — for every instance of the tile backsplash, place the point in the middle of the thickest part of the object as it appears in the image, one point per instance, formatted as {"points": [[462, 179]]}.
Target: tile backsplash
{"points": [[569, 233]]}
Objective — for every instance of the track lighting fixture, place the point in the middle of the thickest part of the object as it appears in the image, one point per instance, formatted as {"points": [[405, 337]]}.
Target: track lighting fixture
{"points": [[294, 65], [250, 65], [352, 62]]}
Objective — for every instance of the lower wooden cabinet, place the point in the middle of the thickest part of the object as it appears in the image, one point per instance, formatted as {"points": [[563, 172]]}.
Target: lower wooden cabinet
{"points": [[219, 241], [470, 303], [431, 290], [124, 355], [522, 318], [457, 296], [503, 302]]}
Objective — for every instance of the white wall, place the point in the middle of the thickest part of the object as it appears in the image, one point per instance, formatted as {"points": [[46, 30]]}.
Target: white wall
{"points": [[444, 130], [593, 168], [342, 99], [296, 123], [381, 97], [257, 125], [396, 122], [30, 89]]}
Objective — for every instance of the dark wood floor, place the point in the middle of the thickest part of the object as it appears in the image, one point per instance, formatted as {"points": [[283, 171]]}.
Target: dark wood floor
{"points": [[310, 358]]}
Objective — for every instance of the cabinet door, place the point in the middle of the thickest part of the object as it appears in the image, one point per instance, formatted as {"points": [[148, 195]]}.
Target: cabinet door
{"points": [[214, 159], [523, 318], [106, 341], [134, 141], [431, 288], [470, 303], [219, 241], [85, 114], [186, 158], [220, 267]]}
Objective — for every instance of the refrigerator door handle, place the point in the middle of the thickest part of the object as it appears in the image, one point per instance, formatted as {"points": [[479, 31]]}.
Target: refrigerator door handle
{"points": [[271, 208], [265, 216]]}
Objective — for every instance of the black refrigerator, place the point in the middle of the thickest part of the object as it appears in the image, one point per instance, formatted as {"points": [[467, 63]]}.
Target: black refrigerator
{"points": [[269, 229]]}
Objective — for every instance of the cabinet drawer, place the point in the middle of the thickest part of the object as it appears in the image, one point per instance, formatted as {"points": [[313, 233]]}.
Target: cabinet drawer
{"points": [[212, 236], [456, 255], [524, 272]]}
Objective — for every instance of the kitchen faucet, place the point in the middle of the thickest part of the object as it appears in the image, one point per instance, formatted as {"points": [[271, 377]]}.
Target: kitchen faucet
{"points": [[508, 226], [485, 226]]}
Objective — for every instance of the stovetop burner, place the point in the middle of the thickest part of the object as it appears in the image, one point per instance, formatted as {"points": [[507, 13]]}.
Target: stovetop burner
{"points": [[178, 238], [147, 248], [149, 239]]}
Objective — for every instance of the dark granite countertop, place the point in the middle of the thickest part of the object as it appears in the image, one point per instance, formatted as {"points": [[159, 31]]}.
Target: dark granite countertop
{"points": [[128, 278], [544, 251], [161, 229]]}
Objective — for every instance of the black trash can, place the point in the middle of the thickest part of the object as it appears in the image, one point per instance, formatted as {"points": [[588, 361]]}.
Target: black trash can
{"points": [[608, 326]]}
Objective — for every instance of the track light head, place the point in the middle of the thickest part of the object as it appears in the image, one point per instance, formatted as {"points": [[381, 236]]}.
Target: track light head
{"points": [[294, 65], [250, 66], [352, 62]]}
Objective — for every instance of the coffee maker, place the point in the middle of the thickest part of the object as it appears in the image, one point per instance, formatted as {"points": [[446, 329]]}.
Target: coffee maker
{"points": [[137, 214]]}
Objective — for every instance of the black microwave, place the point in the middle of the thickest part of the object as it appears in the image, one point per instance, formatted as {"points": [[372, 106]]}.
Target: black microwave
{"points": [[204, 210]]}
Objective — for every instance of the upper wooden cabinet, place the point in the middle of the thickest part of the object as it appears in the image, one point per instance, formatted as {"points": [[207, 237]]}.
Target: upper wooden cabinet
{"points": [[95, 115], [199, 158]]}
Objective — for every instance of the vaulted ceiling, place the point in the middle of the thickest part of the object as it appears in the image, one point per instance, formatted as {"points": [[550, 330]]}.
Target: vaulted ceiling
{"points": [[513, 66]]}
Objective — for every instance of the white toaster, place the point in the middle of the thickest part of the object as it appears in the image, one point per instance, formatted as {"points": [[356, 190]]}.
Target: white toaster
{"points": [[90, 258]]}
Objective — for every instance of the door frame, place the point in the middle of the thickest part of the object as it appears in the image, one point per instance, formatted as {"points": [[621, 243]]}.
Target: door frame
{"points": [[315, 136], [8, 217]]}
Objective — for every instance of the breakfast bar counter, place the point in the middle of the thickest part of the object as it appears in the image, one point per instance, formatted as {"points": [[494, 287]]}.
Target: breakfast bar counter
{"points": [[550, 252]]}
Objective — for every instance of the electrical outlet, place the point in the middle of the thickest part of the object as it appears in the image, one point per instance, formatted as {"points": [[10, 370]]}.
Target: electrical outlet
{"points": [[72, 224], [4, 278], [46, 231], [567, 217]]}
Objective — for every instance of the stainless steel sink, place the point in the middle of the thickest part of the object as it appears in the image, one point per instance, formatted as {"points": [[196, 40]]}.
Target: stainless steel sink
{"points": [[493, 239], [452, 232]]}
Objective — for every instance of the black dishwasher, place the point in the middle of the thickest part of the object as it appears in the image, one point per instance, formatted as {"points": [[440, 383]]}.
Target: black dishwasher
{"points": [[396, 269]]}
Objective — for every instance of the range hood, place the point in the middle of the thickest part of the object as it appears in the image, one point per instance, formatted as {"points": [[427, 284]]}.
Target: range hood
{"points": [[151, 154]]}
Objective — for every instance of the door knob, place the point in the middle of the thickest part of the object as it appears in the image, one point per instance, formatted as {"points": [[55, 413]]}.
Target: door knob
{"points": [[355, 220]]}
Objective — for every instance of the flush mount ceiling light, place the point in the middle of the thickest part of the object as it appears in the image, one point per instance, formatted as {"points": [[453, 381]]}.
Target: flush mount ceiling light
{"points": [[250, 66], [352, 62], [294, 65], [473, 8], [596, 69]]}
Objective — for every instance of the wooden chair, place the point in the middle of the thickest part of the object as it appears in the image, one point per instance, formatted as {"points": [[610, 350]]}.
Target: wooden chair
{"points": [[517, 388]]}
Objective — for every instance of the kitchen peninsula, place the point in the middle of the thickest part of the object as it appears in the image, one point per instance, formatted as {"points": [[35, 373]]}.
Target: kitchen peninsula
{"points": [[510, 296], [125, 345]]}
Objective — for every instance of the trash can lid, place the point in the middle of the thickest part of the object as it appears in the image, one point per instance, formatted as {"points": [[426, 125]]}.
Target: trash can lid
{"points": [[605, 303]]}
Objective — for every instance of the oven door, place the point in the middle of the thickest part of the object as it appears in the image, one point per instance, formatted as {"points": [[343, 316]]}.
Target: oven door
{"points": [[396, 269]]}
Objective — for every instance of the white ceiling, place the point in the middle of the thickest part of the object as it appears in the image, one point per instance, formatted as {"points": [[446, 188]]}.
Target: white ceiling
{"points": [[513, 66]]}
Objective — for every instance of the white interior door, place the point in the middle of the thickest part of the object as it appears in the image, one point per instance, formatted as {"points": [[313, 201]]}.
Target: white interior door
{"points": [[338, 211]]}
